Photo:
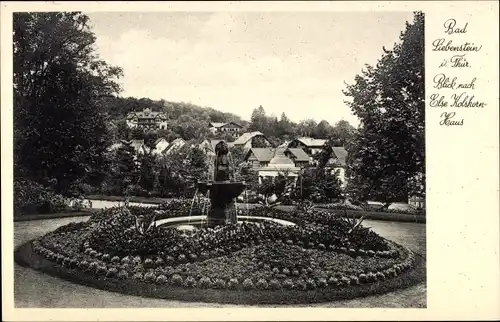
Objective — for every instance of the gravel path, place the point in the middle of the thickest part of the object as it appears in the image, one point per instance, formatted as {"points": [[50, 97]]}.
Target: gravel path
{"points": [[33, 289]]}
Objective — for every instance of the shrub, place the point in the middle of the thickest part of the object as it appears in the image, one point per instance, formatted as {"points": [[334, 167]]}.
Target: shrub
{"points": [[288, 284], [32, 197], [190, 282], [138, 276], [205, 282], [248, 284], [353, 280], [274, 284], [322, 283], [112, 272], [219, 283], [123, 274], [176, 280], [149, 277], [233, 283], [161, 279]]}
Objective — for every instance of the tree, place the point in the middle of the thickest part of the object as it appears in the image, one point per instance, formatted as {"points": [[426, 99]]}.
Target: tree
{"points": [[342, 133], [307, 127], [259, 142], [147, 173], [124, 171], [237, 154], [284, 126], [258, 120], [59, 86], [323, 130], [388, 99]]}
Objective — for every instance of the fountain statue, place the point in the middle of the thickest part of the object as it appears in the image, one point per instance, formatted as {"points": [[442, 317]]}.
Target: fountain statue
{"points": [[222, 191]]}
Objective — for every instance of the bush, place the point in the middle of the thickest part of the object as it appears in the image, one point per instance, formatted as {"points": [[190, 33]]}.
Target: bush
{"points": [[136, 190], [32, 197]]}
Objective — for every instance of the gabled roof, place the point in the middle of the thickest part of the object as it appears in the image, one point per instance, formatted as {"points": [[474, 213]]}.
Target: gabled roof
{"points": [[339, 156], [159, 140], [173, 144], [310, 142], [278, 155], [262, 154], [280, 159], [218, 124], [300, 155], [245, 137], [146, 114]]}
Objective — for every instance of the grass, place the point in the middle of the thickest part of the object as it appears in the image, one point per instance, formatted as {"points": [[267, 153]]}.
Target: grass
{"points": [[25, 256], [150, 200], [65, 214]]}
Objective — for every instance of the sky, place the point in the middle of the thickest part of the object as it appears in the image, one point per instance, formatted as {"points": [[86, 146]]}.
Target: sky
{"points": [[292, 62]]}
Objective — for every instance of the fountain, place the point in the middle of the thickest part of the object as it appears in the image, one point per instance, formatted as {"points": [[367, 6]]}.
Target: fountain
{"points": [[221, 190]]}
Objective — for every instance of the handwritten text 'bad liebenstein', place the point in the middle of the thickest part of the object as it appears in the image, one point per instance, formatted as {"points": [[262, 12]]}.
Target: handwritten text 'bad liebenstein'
{"points": [[450, 90]]}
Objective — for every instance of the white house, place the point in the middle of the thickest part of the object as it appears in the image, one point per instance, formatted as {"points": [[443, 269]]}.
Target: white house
{"points": [[173, 146], [246, 140], [231, 128], [147, 119], [309, 145], [160, 145]]}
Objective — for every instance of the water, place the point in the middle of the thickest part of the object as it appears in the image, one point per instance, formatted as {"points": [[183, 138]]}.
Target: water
{"points": [[245, 197], [206, 208], [232, 166], [192, 203], [211, 168]]}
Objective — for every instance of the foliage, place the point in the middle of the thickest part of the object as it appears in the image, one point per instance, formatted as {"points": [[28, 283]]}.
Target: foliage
{"points": [[31, 197], [317, 185], [388, 99], [59, 79]]}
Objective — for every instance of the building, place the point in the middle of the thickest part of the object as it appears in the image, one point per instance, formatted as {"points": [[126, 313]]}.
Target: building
{"points": [[138, 145], [147, 119], [261, 157], [249, 140], [271, 162], [174, 146], [160, 145], [231, 128], [338, 162], [309, 145]]}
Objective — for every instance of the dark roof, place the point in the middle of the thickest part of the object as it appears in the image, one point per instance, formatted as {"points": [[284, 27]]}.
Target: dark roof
{"points": [[267, 154], [299, 154], [146, 114], [262, 154], [339, 156], [218, 124]]}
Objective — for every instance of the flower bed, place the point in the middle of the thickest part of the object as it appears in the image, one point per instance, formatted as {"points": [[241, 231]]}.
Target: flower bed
{"points": [[321, 253]]}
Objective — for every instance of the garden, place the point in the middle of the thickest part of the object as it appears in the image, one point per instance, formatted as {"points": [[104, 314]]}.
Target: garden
{"points": [[322, 257]]}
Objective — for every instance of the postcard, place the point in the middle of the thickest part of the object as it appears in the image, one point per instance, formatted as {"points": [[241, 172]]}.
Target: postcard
{"points": [[252, 161]]}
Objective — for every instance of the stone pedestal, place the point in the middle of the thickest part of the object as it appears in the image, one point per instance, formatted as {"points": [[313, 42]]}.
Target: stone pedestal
{"points": [[222, 194]]}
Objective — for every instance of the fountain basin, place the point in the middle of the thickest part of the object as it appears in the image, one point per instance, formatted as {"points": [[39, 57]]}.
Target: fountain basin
{"points": [[222, 195], [189, 223]]}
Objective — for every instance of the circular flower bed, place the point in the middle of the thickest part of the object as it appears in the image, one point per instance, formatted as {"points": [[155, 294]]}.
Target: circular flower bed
{"points": [[323, 257]]}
